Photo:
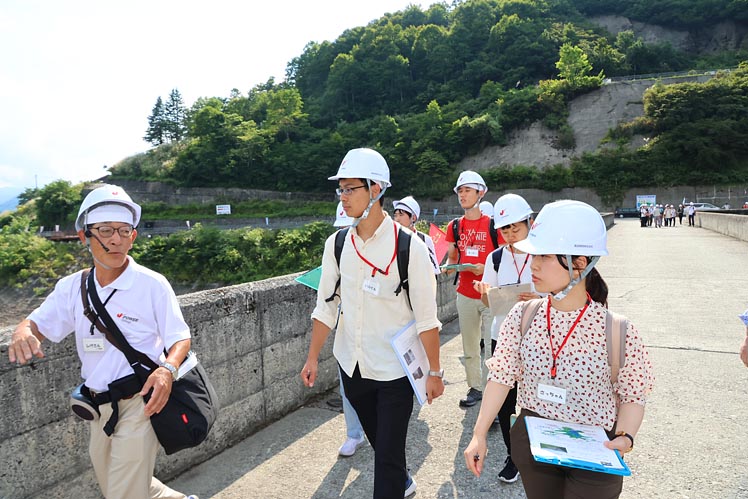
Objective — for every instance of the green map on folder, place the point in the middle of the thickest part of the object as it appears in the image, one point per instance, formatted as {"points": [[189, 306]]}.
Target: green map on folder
{"points": [[311, 278]]}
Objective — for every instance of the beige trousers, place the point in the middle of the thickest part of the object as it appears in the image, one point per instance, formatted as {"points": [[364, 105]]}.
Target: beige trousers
{"points": [[124, 462], [475, 323]]}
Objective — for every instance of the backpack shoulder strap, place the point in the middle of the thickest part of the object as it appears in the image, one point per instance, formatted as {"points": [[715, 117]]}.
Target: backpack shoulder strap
{"points": [[403, 260], [338, 250], [529, 309], [456, 237], [615, 341], [421, 236], [496, 258]]}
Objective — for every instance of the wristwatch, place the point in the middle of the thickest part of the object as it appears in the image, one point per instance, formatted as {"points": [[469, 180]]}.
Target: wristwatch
{"points": [[171, 369], [437, 374], [627, 435]]}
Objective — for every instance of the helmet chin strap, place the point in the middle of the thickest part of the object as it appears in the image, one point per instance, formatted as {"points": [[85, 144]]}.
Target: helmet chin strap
{"points": [[96, 260], [371, 203], [574, 281]]}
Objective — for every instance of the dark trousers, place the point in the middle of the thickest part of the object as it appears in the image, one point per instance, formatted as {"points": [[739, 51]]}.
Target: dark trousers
{"points": [[506, 411], [691, 220], [384, 409], [546, 481]]}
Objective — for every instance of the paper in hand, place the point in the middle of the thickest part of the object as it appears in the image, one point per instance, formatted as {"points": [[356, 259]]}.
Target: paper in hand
{"points": [[502, 299]]}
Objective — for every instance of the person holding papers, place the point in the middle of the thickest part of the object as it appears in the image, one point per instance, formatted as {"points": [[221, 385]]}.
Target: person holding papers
{"points": [[508, 266], [375, 308], [560, 362]]}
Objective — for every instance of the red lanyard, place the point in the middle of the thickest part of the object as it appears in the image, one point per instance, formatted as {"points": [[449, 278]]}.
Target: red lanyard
{"points": [[550, 336], [374, 268], [519, 271]]}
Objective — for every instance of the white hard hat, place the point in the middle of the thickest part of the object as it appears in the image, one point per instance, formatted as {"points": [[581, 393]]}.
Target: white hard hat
{"points": [[341, 218], [486, 208], [364, 163], [408, 204], [107, 195], [566, 228], [471, 179], [509, 209]]}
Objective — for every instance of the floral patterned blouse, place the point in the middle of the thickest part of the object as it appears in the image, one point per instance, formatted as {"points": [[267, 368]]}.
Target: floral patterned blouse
{"points": [[582, 365]]}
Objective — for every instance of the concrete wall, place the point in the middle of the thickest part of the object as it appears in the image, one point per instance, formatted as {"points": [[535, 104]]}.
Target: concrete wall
{"points": [[729, 224], [252, 338]]}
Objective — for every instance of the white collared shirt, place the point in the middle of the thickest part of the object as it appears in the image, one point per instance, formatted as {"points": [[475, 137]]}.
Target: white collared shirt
{"points": [[144, 308], [370, 321]]}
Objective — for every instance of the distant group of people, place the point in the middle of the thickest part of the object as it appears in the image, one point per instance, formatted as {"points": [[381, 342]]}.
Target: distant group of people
{"points": [[364, 298], [652, 215]]}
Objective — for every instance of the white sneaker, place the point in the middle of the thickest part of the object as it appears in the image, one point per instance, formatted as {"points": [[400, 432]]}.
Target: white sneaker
{"points": [[350, 445], [410, 486]]}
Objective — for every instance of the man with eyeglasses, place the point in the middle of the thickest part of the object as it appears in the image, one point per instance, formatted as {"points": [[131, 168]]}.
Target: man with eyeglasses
{"points": [[374, 380], [145, 308]]}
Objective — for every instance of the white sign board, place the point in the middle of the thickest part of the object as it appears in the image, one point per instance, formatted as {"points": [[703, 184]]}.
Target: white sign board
{"points": [[648, 199], [223, 209]]}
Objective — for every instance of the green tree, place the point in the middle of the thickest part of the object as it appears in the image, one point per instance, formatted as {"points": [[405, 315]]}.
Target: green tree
{"points": [[156, 133], [175, 117], [57, 204], [573, 64]]}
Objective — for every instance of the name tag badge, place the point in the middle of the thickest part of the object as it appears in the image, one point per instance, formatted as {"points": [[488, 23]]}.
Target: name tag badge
{"points": [[371, 286], [472, 251], [551, 393], [93, 344]]}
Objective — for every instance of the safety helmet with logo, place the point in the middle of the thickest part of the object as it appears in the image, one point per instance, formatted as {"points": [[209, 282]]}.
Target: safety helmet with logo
{"points": [[567, 228], [510, 209], [472, 179], [409, 204], [341, 218], [99, 198], [486, 208], [364, 163]]}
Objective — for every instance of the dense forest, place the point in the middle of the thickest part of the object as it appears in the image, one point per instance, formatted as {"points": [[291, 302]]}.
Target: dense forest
{"points": [[429, 87]]}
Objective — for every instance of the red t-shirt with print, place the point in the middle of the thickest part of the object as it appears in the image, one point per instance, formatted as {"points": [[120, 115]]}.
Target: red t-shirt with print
{"points": [[474, 244]]}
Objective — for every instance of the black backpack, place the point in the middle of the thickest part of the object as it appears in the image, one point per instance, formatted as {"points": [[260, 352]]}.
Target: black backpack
{"points": [[491, 232], [403, 259]]}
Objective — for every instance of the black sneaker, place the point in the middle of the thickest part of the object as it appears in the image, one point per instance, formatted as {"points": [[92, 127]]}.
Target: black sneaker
{"points": [[473, 397], [510, 473]]}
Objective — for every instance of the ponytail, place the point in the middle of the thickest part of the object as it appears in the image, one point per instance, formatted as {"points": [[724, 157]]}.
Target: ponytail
{"points": [[594, 282], [596, 287]]}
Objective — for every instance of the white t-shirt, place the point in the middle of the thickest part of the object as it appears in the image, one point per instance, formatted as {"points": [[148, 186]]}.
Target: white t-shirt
{"points": [[144, 307], [432, 252], [514, 268]]}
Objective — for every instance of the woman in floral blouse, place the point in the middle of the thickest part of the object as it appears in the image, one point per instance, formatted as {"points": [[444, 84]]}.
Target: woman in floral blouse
{"points": [[565, 349]]}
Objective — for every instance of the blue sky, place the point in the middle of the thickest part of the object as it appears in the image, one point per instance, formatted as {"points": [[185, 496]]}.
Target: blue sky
{"points": [[78, 79]]}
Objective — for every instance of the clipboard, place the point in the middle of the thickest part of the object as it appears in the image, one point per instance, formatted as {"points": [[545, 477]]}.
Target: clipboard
{"points": [[459, 267], [412, 356], [502, 299], [311, 278], [573, 445]]}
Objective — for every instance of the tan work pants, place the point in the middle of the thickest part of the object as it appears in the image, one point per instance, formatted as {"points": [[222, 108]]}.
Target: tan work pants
{"points": [[124, 462], [475, 323]]}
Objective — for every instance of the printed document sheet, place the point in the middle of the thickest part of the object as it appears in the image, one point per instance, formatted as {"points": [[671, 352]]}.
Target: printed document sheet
{"points": [[502, 299], [573, 445], [412, 356]]}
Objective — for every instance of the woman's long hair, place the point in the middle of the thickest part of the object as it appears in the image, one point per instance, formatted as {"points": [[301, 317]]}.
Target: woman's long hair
{"points": [[594, 282]]}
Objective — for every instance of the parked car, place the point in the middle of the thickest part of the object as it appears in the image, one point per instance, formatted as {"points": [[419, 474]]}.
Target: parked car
{"points": [[627, 212], [705, 207]]}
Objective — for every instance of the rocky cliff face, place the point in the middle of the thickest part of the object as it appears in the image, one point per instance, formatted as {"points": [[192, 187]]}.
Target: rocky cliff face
{"points": [[723, 36], [590, 117], [593, 114]]}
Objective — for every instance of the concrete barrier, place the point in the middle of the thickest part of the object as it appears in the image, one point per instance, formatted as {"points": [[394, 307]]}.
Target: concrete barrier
{"points": [[729, 224], [252, 339]]}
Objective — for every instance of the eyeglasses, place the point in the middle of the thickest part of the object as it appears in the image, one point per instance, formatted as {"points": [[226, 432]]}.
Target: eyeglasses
{"points": [[107, 231], [347, 190]]}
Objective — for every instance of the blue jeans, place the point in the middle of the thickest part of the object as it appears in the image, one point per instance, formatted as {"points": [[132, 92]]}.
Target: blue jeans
{"points": [[352, 424]]}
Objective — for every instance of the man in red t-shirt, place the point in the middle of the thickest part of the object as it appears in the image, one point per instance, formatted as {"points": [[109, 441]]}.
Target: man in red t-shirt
{"points": [[472, 247]]}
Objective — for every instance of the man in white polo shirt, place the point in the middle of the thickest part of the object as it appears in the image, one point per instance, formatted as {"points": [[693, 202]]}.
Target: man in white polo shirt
{"points": [[373, 313], [145, 308]]}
